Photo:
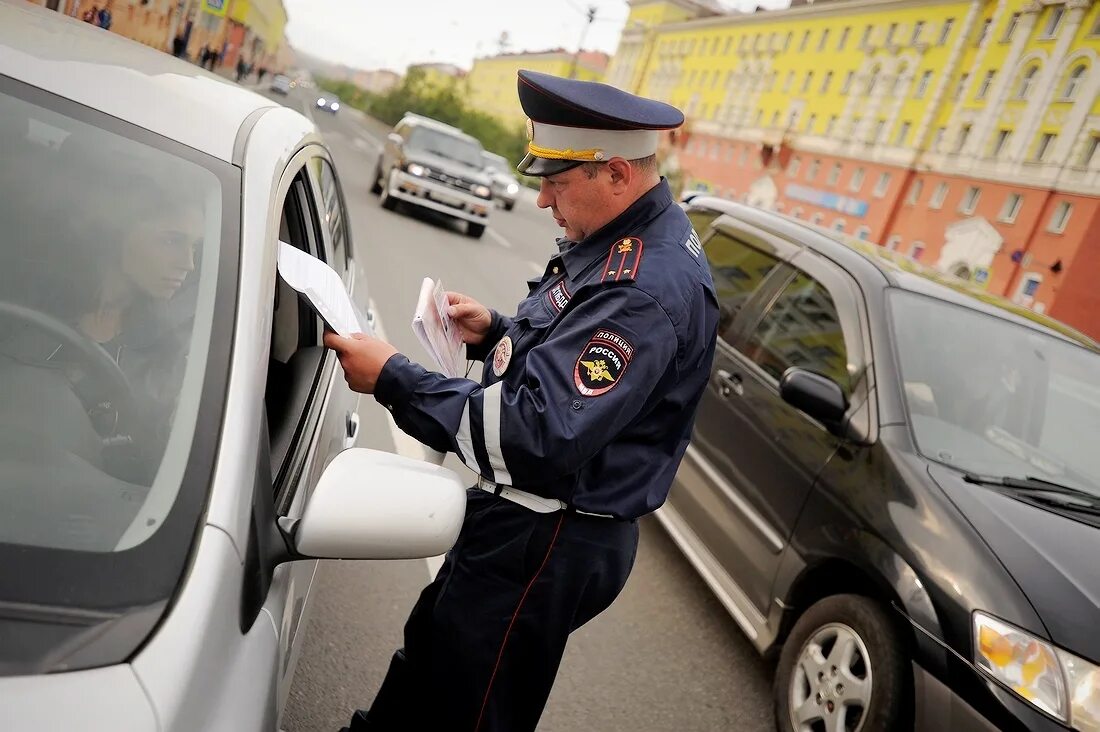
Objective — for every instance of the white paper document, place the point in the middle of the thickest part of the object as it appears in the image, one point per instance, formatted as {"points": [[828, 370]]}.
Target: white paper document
{"points": [[323, 288], [437, 332]]}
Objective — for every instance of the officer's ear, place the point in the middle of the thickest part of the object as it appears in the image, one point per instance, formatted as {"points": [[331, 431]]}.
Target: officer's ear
{"points": [[622, 172]]}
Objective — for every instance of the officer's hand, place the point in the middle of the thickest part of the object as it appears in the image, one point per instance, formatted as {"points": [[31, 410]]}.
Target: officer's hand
{"points": [[362, 358], [472, 318]]}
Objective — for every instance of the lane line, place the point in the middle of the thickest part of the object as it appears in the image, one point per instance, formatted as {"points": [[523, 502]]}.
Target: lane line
{"points": [[499, 239], [365, 146]]}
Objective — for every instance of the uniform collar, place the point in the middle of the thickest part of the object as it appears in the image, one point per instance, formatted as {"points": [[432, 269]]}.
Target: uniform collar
{"points": [[576, 256]]}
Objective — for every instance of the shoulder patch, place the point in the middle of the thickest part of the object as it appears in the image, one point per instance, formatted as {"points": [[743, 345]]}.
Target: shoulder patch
{"points": [[602, 363], [623, 260], [693, 245], [558, 296]]}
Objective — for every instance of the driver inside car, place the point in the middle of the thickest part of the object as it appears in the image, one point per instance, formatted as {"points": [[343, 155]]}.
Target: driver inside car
{"points": [[120, 275]]}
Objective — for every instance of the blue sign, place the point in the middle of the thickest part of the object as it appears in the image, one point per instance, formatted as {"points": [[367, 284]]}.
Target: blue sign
{"points": [[1031, 286], [981, 275], [825, 199]]}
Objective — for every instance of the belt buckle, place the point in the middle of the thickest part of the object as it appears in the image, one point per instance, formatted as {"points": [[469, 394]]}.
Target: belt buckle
{"points": [[487, 485]]}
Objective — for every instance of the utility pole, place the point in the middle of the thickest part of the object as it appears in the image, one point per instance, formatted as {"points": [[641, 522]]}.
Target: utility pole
{"points": [[591, 15]]}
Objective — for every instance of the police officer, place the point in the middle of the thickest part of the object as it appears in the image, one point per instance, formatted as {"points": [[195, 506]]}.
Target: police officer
{"points": [[576, 428]]}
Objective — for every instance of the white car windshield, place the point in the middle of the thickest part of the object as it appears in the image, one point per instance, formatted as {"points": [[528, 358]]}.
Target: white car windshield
{"points": [[996, 398], [109, 252]]}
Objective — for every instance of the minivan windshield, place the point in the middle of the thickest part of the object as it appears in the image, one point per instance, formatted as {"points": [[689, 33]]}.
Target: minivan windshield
{"points": [[994, 397], [446, 146], [109, 251]]}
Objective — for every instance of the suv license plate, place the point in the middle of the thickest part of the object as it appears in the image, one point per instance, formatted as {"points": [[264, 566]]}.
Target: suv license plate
{"points": [[445, 199]]}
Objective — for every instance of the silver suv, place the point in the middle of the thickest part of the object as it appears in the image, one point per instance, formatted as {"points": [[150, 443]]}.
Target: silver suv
{"points": [[435, 166]]}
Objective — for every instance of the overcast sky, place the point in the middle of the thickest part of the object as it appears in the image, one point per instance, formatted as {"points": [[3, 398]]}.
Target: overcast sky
{"points": [[371, 34]]}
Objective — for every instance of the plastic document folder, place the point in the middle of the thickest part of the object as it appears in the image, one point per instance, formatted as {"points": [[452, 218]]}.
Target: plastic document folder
{"points": [[437, 332]]}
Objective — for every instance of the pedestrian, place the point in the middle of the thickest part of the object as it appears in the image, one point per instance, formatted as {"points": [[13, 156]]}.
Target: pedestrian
{"points": [[103, 18], [576, 429], [91, 15], [242, 68], [178, 44], [260, 71]]}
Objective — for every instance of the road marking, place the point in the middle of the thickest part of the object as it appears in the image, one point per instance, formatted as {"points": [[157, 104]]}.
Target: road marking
{"points": [[499, 239], [366, 146], [405, 445]]}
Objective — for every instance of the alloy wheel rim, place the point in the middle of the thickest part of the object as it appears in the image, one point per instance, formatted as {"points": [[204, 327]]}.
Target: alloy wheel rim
{"points": [[831, 687]]}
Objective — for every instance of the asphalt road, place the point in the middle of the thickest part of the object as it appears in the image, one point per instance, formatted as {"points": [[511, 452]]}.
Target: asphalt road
{"points": [[665, 656]]}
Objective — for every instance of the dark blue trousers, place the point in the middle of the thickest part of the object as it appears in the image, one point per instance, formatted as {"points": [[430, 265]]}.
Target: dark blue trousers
{"points": [[484, 641]]}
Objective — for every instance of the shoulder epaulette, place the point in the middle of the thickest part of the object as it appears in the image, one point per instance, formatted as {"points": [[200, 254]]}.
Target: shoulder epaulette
{"points": [[623, 260]]}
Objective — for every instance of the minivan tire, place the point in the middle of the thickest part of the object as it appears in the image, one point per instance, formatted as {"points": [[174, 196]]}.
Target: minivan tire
{"points": [[475, 230], [509, 206], [388, 202], [880, 656]]}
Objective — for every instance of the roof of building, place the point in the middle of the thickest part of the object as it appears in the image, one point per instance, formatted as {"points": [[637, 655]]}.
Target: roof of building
{"points": [[124, 79]]}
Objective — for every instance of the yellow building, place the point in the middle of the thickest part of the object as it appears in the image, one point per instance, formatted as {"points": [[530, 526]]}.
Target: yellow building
{"points": [[437, 77], [491, 83]]}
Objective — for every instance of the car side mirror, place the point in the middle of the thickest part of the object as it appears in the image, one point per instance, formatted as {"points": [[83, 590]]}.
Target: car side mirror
{"points": [[817, 396], [395, 138], [375, 505]]}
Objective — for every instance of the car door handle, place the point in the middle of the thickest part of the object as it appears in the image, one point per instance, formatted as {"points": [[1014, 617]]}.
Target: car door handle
{"points": [[352, 429], [728, 383]]}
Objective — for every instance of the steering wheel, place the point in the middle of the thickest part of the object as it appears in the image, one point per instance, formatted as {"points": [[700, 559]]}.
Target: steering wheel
{"points": [[104, 369]]}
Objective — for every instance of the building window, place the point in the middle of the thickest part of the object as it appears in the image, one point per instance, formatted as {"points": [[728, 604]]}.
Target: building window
{"points": [[914, 192], [962, 86], [714, 150], [830, 126], [1000, 142], [901, 83], [839, 224], [857, 180], [916, 250], [741, 43], [817, 218], [984, 33], [964, 136], [922, 85], [903, 133], [1073, 83], [1046, 144], [1010, 28], [1027, 81], [815, 165], [729, 44], [847, 86], [843, 38], [807, 81], [1029, 285], [890, 33], [826, 82], [938, 196], [788, 82], [775, 119], [863, 233], [1090, 151], [743, 157], [880, 128], [1054, 21], [787, 41], [945, 31], [970, 200], [793, 166], [1060, 218], [729, 153], [805, 41], [882, 185], [796, 212], [893, 242], [918, 30], [811, 122], [834, 174], [1095, 31], [937, 141], [873, 83], [824, 39], [759, 117], [857, 122], [987, 82], [1013, 203]]}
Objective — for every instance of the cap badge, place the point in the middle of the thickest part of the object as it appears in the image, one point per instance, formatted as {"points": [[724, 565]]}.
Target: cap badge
{"points": [[530, 130]]}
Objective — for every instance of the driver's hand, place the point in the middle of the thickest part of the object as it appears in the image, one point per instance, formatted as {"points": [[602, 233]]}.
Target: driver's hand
{"points": [[472, 318], [362, 358]]}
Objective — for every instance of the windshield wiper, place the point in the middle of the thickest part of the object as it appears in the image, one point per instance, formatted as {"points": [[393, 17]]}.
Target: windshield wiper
{"points": [[1045, 491]]}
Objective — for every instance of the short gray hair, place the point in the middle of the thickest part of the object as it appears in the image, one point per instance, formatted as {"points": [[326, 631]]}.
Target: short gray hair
{"points": [[642, 165]]}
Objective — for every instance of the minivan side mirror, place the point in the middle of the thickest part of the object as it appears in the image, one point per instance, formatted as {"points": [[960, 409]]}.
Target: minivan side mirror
{"points": [[818, 396], [395, 138], [375, 505]]}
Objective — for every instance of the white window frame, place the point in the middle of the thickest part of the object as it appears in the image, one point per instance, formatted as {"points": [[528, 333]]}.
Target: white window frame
{"points": [[813, 168], [856, 181], [964, 137], [882, 185], [864, 233], [1089, 153], [1010, 28], [1000, 142], [1063, 212], [846, 88], [987, 84], [893, 242], [1044, 146], [793, 166], [1011, 208], [811, 122], [826, 82], [1074, 82], [1027, 80], [839, 225], [945, 31], [1054, 23], [903, 132], [1027, 279], [939, 196], [916, 249], [834, 174], [923, 84], [915, 191], [796, 212], [817, 218], [969, 202], [788, 82], [807, 82]]}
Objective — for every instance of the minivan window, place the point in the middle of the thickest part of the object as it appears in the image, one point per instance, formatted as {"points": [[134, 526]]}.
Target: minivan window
{"points": [[802, 328], [447, 146], [995, 397], [737, 270]]}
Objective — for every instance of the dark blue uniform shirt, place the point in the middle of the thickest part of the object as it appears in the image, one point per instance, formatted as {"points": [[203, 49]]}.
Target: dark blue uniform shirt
{"points": [[589, 392]]}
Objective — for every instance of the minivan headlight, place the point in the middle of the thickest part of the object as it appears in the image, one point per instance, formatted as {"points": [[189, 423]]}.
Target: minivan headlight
{"points": [[482, 191], [1059, 683]]}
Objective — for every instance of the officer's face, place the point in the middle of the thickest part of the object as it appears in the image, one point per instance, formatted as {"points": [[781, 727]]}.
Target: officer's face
{"points": [[581, 204]]}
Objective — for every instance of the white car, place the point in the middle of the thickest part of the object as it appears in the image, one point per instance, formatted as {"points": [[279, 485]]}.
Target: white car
{"points": [[174, 440]]}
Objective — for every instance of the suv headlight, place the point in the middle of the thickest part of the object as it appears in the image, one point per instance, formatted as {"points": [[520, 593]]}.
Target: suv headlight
{"points": [[414, 169], [513, 188], [1059, 683], [483, 191]]}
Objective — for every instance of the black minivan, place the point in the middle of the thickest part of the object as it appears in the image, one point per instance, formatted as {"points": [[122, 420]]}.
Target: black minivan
{"points": [[893, 486]]}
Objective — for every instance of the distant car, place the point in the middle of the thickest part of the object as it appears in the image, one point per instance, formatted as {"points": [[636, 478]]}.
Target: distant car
{"points": [[893, 484], [328, 102], [505, 186], [435, 166], [168, 481], [281, 84]]}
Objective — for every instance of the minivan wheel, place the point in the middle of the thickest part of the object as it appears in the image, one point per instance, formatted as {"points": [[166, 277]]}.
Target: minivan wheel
{"points": [[376, 187], [844, 668], [475, 230]]}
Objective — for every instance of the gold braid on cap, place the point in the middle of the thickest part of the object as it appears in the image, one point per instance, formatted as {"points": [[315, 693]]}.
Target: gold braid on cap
{"points": [[592, 155]]}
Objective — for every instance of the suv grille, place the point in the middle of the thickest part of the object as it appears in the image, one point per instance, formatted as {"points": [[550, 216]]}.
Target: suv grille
{"points": [[451, 180]]}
